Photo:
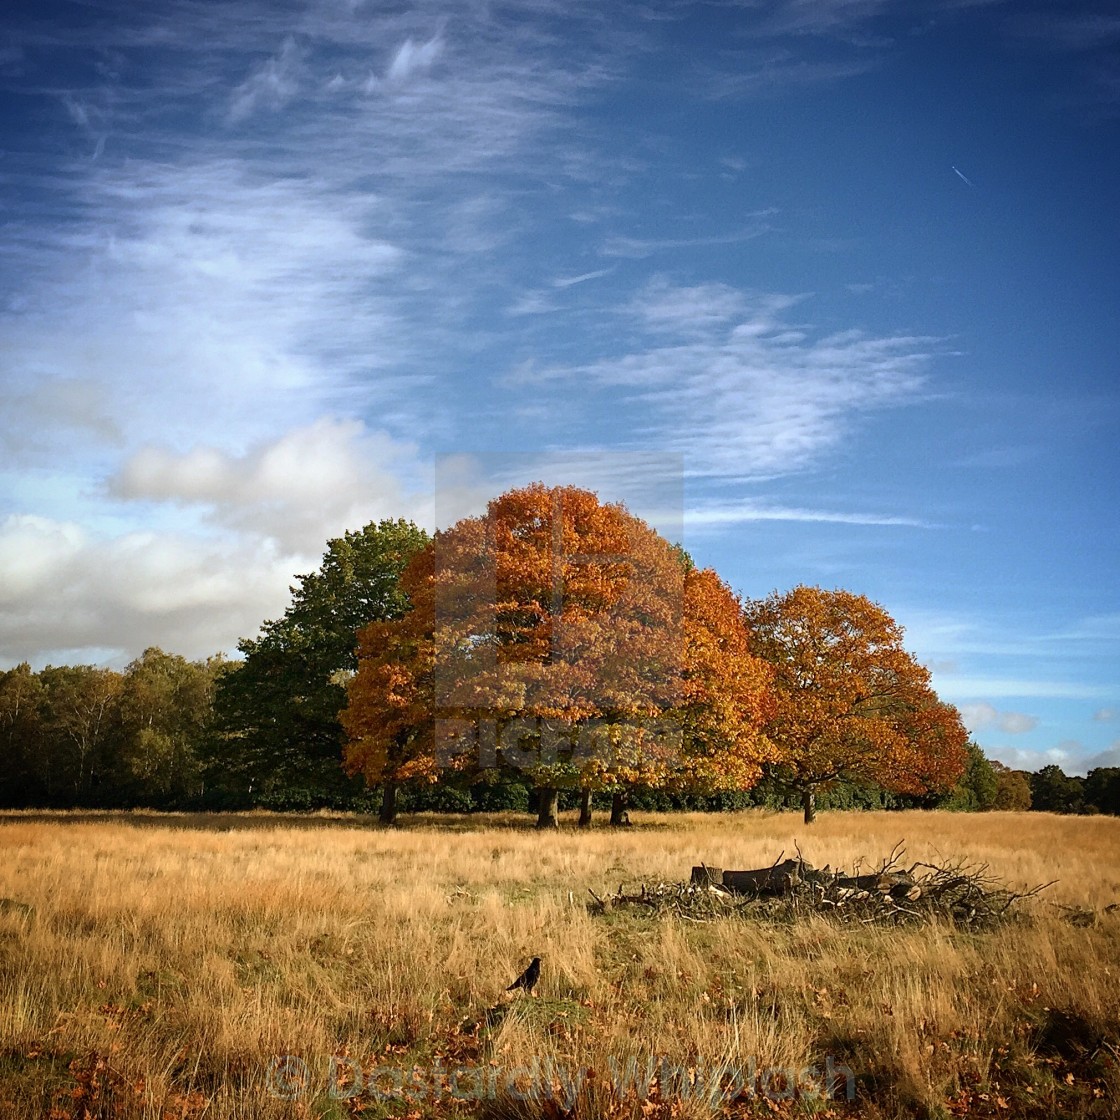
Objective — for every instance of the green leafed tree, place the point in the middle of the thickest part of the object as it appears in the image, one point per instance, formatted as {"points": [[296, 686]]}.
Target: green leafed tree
{"points": [[80, 712], [23, 778], [1053, 791], [277, 739], [164, 714], [977, 787], [1102, 789]]}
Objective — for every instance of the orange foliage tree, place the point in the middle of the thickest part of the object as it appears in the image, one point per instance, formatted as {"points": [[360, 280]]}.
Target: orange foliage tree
{"points": [[564, 638], [850, 703]]}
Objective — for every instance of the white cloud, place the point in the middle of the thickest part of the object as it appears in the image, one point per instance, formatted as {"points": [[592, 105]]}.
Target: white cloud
{"points": [[205, 302], [1067, 755], [1108, 757], [583, 277], [737, 513], [411, 58], [298, 490], [69, 595], [770, 395], [978, 716], [1105, 715], [271, 85], [636, 248], [666, 307]]}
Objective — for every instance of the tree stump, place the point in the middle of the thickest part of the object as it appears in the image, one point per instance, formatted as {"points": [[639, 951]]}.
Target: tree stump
{"points": [[707, 876]]}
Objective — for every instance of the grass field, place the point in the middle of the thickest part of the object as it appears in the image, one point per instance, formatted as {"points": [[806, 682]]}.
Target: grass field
{"points": [[263, 966]]}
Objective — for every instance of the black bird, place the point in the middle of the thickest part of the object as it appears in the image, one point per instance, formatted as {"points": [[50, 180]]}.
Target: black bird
{"points": [[528, 979]]}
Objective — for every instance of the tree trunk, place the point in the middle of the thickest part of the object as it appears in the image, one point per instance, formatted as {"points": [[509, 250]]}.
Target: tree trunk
{"points": [[585, 807], [809, 805], [620, 818], [548, 806], [388, 814]]}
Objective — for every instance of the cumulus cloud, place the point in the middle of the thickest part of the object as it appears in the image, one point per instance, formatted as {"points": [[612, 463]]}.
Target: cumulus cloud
{"points": [[979, 716], [1070, 755], [296, 491], [72, 595], [1108, 757], [1067, 755], [1105, 715]]}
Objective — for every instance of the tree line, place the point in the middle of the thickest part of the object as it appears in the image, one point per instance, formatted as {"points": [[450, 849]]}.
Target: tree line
{"points": [[555, 652]]}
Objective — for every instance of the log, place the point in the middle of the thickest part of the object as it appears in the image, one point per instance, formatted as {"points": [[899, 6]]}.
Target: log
{"points": [[704, 876], [909, 892], [779, 879], [884, 882]]}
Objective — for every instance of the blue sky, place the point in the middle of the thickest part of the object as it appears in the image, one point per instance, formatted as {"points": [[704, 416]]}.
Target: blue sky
{"points": [[827, 288]]}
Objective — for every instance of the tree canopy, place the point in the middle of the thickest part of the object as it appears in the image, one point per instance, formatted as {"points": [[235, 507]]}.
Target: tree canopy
{"points": [[849, 702], [565, 638], [554, 645]]}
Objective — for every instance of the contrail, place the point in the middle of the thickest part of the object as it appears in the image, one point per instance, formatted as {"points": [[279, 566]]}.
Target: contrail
{"points": [[964, 177]]}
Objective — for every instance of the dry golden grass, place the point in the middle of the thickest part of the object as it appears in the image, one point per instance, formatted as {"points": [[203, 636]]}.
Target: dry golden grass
{"points": [[169, 960]]}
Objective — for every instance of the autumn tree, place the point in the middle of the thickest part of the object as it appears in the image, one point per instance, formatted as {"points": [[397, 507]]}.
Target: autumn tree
{"points": [[565, 639], [850, 702], [278, 736]]}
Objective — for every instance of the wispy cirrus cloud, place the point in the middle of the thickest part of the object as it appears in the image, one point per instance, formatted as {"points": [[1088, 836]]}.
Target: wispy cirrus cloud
{"points": [[271, 85], [1070, 31], [581, 278], [412, 58], [637, 248], [768, 73], [200, 300], [1087, 33], [739, 513], [285, 231], [729, 380]]}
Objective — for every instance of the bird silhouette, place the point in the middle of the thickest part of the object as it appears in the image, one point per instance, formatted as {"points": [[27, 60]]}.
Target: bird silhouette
{"points": [[528, 979]]}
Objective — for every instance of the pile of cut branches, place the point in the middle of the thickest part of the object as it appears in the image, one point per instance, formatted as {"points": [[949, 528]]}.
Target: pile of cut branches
{"points": [[966, 895]]}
